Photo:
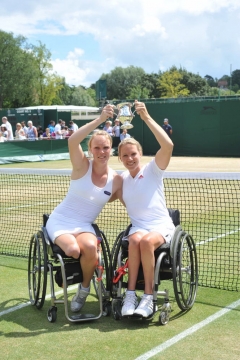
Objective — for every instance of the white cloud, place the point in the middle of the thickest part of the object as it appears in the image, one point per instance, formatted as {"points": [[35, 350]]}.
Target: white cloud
{"points": [[202, 36]]}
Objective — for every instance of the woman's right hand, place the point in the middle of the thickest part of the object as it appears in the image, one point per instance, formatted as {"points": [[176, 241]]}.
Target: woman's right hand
{"points": [[107, 112]]}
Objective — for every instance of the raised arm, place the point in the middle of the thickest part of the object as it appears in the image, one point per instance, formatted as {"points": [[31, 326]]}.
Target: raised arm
{"points": [[77, 157], [163, 155]]}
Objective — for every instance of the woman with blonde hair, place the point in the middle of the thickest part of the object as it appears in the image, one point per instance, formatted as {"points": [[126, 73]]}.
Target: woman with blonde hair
{"points": [[19, 133], [143, 195], [31, 131], [92, 185]]}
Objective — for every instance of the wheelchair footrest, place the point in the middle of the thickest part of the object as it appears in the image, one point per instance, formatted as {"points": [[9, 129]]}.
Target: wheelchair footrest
{"points": [[82, 317]]}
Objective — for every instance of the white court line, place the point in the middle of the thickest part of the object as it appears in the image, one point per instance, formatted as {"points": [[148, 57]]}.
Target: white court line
{"points": [[188, 332], [21, 306], [217, 237]]}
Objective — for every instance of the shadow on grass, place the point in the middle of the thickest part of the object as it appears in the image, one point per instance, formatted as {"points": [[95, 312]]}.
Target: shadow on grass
{"points": [[34, 322]]}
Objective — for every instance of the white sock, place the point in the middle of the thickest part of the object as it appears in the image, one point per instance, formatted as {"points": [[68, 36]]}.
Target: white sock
{"points": [[85, 289], [148, 296]]}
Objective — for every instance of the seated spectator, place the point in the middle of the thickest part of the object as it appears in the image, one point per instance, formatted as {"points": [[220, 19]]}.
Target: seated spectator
{"points": [[24, 127], [70, 132], [2, 138], [64, 132], [47, 135], [108, 127], [124, 135], [19, 133], [51, 126], [9, 127], [4, 132], [31, 131], [40, 131]]}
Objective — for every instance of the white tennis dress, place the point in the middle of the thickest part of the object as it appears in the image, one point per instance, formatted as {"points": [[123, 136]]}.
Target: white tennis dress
{"points": [[145, 201], [81, 206]]}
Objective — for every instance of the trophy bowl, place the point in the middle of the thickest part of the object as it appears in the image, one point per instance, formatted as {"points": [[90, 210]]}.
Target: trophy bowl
{"points": [[125, 115]]}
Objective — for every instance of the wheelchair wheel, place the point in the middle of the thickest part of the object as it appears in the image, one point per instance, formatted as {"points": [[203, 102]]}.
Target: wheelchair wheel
{"points": [[185, 271], [105, 282], [37, 270], [114, 262], [52, 314]]}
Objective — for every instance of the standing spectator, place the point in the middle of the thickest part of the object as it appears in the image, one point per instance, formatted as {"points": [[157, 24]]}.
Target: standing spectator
{"points": [[31, 131], [124, 135], [58, 130], [73, 125], [24, 127], [51, 126], [108, 127], [167, 127], [9, 127], [19, 133], [116, 128]]}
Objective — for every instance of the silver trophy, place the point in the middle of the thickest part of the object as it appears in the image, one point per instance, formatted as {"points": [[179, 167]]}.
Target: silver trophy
{"points": [[125, 115]]}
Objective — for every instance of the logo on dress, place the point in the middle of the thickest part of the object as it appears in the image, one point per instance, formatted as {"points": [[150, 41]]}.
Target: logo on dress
{"points": [[140, 177], [107, 193]]}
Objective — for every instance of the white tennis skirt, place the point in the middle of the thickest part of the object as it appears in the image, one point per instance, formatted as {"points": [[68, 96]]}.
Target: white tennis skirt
{"points": [[166, 231], [58, 225]]}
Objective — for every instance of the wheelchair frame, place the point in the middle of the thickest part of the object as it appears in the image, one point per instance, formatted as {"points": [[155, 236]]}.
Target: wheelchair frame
{"points": [[46, 258], [176, 261]]}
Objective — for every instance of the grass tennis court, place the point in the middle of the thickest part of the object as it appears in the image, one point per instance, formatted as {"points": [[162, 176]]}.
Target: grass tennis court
{"points": [[27, 334]]}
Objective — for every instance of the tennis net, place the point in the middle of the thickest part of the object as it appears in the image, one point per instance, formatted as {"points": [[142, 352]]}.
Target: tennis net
{"points": [[208, 204]]}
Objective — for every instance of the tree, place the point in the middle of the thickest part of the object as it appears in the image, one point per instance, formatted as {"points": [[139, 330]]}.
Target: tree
{"points": [[236, 78], [120, 81], [48, 83], [81, 97], [211, 81], [17, 75], [171, 86], [196, 85]]}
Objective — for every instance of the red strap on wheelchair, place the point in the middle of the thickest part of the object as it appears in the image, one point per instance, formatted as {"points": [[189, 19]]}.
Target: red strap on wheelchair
{"points": [[101, 268], [120, 272]]}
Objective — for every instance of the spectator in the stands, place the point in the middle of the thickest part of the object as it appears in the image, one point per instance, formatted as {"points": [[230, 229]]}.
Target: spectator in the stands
{"points": [[40, 131], [64, 132], [73, 125], [108, 127], [31, 131], [70, 132], [58, 130], [4, 131], [19, 133], [51, 126], [47, 134], [9, 127], [24, 127], [2, 138]]}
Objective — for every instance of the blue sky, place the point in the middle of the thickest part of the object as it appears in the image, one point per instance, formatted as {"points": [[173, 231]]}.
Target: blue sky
{"points": [[88, 38]]}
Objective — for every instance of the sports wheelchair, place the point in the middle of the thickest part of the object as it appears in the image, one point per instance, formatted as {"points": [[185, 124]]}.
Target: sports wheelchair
{"points": [[176, 261], [47, 258]]}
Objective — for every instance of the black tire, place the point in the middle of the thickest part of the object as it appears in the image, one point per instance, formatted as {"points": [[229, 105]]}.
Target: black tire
{"points": [[114, 262], [52, 314], [116, 309], [185, 271], [105, 282], [37, 270]]}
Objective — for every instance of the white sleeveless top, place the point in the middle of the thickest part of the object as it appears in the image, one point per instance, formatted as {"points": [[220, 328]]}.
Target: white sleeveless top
{"points": [[81, 206], [144, 197]]}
